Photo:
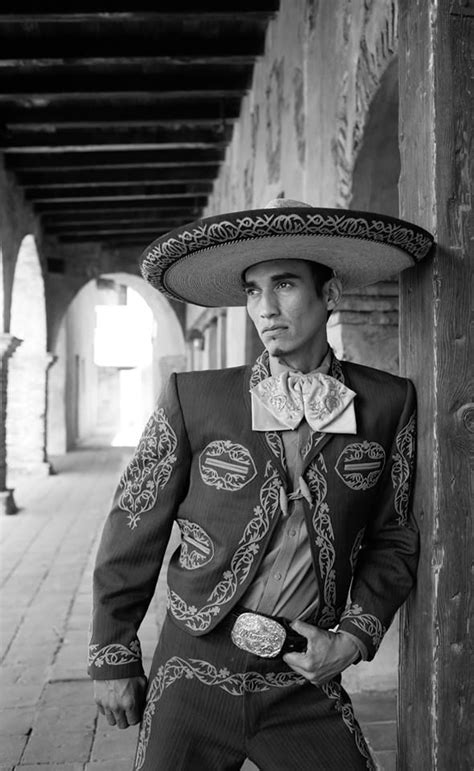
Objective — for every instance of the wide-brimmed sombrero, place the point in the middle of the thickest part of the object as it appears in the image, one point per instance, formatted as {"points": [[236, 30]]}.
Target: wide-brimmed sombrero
{"points": [[203, 263]]}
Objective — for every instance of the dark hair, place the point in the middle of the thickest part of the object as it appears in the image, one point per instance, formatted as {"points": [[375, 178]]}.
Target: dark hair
{"points": [[321, 274]]}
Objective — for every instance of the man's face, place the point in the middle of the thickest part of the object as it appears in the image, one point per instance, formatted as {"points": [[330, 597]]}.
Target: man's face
{"points": [[283, 304]]}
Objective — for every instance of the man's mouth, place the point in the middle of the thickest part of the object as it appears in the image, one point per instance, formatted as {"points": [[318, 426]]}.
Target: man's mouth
{"points": [[276, 328]]}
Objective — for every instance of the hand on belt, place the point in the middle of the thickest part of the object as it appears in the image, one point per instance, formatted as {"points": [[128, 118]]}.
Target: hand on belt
{"points": [[263, 635]]}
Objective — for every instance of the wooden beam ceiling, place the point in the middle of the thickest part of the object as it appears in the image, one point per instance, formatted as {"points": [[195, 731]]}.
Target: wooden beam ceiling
{"points": [[115, 117]]}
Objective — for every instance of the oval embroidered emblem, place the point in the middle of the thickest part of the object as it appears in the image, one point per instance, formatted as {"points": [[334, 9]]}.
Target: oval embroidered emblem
{"points": [[226, 466], [360, 465], [197, 548]]}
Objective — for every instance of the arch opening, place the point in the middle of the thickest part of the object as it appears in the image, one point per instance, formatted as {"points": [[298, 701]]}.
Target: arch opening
{"points": [[118, 343]]}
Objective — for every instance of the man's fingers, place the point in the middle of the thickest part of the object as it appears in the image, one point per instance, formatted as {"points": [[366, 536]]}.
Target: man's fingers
{"points": [[133, 716], [121, 720], [109, 716]]}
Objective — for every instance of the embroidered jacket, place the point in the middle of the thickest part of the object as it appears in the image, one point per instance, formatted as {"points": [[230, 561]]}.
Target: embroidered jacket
{"points": [[199, 463]]}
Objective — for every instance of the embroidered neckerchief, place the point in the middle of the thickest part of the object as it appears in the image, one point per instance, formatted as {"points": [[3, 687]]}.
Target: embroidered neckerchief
{"points": [[281, 402]]}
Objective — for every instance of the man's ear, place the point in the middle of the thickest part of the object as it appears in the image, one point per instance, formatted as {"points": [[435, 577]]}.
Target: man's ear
{"points": [[332, 292]]}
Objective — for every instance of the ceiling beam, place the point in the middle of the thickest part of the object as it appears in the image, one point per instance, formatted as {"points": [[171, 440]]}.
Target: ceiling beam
{"points": [[92, 114], [104, 159], [116, 240], [63, 222], [116, 192], [67, 140], [65, 42], [117, 203], [98, 177], [25, 10], [202, 80], [160, 210], [108, 230]]}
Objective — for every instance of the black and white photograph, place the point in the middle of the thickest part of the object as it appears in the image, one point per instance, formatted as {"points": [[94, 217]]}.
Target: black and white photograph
{"points": [[236, 385]]}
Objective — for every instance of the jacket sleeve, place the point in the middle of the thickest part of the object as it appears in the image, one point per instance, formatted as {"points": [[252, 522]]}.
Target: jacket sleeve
{"points": [[387, 561], [135, 537]]}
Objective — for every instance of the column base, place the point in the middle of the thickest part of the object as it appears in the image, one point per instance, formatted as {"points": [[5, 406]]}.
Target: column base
{"points": [[7, 503]]}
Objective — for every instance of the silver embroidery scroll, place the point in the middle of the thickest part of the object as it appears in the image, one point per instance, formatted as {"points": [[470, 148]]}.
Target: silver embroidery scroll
{"points": [[150, 468], [197, 548], [226, 465], [366, 622], [333, 690], [114, 654], [324, 535], [360, 465], [402, 469]]}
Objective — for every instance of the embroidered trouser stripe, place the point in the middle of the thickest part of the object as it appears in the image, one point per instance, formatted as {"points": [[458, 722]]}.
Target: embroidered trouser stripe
{"points": [[210, 705]]}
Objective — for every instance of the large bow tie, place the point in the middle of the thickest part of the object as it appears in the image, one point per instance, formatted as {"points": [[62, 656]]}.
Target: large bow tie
{"points": [[282, 401]]}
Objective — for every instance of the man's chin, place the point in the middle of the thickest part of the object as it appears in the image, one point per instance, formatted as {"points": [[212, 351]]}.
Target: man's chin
{"points": [[274, 349]]}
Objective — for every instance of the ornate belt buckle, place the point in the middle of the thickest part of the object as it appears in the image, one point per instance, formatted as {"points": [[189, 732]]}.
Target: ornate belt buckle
{"points": [[258, 634]]}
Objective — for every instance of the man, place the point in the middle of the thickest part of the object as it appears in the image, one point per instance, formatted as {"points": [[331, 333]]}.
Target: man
{"points": [[290, 482]]}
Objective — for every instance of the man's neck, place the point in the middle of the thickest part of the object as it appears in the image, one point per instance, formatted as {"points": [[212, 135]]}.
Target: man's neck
{"points": [[279, 364]]}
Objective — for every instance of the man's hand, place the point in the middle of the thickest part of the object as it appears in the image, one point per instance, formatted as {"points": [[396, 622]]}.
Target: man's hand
{"points": [[122, 700], [327, 653]]}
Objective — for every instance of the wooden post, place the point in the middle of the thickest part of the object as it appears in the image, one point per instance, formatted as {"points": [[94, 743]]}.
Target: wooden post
{"points": [[436, 120]]}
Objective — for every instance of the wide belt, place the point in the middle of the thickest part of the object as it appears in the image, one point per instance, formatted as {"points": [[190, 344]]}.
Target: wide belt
{"points": [[262, 635]]}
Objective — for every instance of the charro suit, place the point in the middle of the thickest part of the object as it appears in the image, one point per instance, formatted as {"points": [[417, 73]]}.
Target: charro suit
{"points": [[200, 464]]}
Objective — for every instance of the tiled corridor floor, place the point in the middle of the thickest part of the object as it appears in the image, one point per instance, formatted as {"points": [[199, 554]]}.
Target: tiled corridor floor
{"points": [[48, 720]]}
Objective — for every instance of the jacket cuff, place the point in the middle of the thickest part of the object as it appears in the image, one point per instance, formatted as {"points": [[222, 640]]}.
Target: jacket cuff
{"points": [[363, 653], [366, 627], [115, 661]]}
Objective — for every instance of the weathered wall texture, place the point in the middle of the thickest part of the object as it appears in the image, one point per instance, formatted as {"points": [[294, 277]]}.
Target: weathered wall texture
{"points": [[302, 123]]}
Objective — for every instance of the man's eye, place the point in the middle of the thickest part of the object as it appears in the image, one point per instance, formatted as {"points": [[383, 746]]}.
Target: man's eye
{"points": [[250, 291], [284, 285]]}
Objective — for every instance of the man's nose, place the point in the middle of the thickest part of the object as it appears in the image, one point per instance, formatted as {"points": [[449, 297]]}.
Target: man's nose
{"points": [[268, 305]]}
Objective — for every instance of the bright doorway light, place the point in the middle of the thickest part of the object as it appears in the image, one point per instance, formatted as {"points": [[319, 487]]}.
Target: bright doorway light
{"points": [[123, 341]]}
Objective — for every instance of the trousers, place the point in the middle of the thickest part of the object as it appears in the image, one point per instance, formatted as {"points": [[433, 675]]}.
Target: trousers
{"points": [[211, 705]]}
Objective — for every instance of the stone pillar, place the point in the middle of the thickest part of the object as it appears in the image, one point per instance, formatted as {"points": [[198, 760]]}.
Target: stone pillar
{"points": [[26, 418], [364, 328], [8, 344]]}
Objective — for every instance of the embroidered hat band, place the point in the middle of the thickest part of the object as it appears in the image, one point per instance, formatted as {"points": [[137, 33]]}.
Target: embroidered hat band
{"points": [[203, 262]]}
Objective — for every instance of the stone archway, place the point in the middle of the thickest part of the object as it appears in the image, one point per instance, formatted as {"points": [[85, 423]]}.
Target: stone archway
{"points": [[75, 381], [26, 403], [365, 328], [377, 167]]}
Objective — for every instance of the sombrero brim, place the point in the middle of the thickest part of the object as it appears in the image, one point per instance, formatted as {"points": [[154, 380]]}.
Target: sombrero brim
{"points": [[203, 262]]}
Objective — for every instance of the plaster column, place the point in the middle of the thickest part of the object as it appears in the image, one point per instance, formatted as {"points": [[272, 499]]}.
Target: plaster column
{"points": [[26, 421], [8, 344]]}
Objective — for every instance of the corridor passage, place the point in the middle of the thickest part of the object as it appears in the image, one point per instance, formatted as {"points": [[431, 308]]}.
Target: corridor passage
{"points": [[48, 719]]}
